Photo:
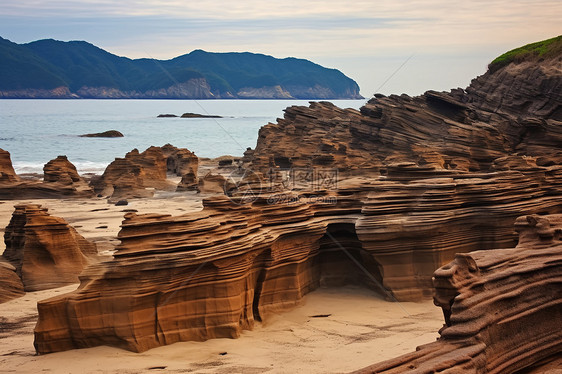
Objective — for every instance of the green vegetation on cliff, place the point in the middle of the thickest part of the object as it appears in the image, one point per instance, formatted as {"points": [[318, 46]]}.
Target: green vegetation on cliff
{"points": [[543, 49], [81, 66]]}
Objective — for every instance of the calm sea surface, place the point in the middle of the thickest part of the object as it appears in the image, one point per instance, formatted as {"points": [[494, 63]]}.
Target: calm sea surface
{"points": [[36, 131]]}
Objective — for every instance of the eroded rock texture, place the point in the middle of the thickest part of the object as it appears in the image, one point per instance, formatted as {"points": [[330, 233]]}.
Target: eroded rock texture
{"points": [[7, 172], [129, 177], [45, 250], [399, 187], [503, 308], [183, 163], [516, 110], [60, 180], [213, 273], [11, 286]]}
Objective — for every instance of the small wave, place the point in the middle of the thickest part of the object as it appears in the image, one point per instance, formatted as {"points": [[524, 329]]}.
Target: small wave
{"points": [[85, 167], [7, 139]]}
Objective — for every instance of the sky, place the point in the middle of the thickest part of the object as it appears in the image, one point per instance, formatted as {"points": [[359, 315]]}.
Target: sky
{"points": [[387, 46]]}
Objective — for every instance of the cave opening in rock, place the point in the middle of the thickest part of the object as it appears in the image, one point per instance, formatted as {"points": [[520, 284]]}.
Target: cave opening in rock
{"points": [[342, 261]]}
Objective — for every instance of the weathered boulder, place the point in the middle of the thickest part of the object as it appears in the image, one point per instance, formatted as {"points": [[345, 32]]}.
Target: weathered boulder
{"points": [[11, 286], [130, 176], [105, 134], [46, 251]]}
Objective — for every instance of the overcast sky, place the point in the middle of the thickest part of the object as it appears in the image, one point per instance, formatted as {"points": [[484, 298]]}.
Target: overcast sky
{"points": [[388, 46]]}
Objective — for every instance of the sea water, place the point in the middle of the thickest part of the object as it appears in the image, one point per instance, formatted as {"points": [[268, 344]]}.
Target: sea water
{"points": [[36, 131]]}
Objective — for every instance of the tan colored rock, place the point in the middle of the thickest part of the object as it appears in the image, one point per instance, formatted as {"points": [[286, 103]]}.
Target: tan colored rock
{"points": [[45, 250], [7, 172], [213, 273], [212, 183], [502, 308], [130, 176], [11, 286], [183, 163], [383, 197], [61, 180], [60, 170]]}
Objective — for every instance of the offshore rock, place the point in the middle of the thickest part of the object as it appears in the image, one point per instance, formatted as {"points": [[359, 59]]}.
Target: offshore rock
{"points": [[105, 134], [502, 308], [45, 250]]}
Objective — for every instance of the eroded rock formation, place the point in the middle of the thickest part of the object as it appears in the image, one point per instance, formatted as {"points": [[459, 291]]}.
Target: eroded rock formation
{"points": [[400, 187], [516, 109], [11, 285], [183, 163], [129, 177], [60, 180], [502, 308], [211, 274], [7, 172], [45, 250]]}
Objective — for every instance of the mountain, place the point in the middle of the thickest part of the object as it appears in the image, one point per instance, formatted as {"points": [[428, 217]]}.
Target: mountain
{"points": [[77, 69]]}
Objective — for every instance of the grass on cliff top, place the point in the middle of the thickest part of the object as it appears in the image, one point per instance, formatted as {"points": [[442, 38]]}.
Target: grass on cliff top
{"points": [[543, 49]]}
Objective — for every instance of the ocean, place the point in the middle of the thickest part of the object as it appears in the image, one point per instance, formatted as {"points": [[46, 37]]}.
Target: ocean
{"points": [[36, 131]]}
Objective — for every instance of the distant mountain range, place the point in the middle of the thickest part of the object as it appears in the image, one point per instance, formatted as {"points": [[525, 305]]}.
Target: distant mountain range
{"points": [[77, 69]]}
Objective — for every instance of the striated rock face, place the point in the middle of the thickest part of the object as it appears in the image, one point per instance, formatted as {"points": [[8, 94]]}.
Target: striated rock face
{"points": [[130, 176], [45, 250], [516, 109], [60, 170], [183, 163], [213, 273], [529, 88], [398, 187], [502, 308], [60, 180], [7, 172], [12, 287]]}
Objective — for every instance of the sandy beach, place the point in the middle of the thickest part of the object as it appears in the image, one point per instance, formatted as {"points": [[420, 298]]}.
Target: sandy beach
{"points": [[333, 330], [357, 328]]}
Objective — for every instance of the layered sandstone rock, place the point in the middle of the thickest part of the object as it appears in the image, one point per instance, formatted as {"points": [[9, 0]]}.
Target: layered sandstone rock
{"points": [[502, 308], [138, 174], [130, 176], [513, 110], [11, 286], [7, 172], [60, 180], [433, 176], [62, 172], [183, 163], [45, 250], [213, 273]]}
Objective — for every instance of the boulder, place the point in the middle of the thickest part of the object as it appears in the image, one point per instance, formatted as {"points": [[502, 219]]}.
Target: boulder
{"points": [[105, 134], [46, 251]]}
